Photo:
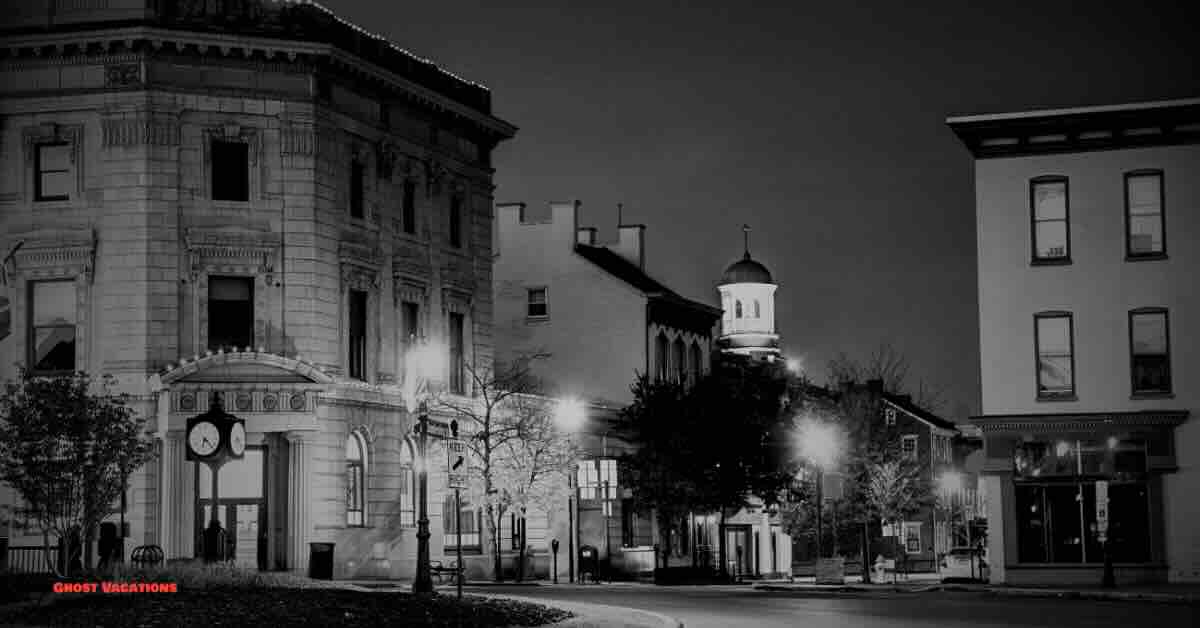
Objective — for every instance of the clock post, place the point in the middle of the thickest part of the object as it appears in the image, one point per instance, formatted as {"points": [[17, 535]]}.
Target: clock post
{"points": [[214, 438]]}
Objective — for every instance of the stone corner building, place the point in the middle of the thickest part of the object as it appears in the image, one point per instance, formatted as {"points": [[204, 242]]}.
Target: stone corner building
{"points": [[261, 200]]}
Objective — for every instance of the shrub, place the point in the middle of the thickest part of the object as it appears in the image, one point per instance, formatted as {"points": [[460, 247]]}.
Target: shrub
{"points": [[198, 575]]}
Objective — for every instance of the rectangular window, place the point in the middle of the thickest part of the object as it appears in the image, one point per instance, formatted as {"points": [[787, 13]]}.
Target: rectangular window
{"points": [[354, 492], [1144, 224], [536, 306], [230, 171], [628, 524], [357, 336], [407, 497], [456, 222], [408, 208], [1150, 352], [410, 314], [587, 479], [230, 312], [52, 318], [889, 416], [52, 172], [457, 364], [1055, 339], [1056, 522], [908, 446], [912, 537], [468, 515], [356, 189], [1051, 219]]}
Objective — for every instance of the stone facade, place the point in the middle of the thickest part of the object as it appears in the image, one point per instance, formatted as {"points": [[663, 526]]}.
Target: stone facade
{"points": [[142, 232]]}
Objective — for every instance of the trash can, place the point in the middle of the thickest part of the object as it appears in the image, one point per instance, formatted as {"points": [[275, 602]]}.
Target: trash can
{"points": [[589, 562], [320, 561]]}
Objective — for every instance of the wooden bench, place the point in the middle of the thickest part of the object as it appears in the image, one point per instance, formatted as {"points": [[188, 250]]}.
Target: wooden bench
{"points": [[439, 571]]}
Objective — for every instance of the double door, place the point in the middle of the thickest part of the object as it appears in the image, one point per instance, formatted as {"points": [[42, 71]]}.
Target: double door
{"points": [[241, 508]]}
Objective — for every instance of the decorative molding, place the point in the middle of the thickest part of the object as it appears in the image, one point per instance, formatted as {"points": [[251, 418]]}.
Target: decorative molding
{"points": [[232, 250], [298, 139], [411, 290], [360, 265], [55, 254], [122, 74], [53, 132], [1080, 422], [457, 299], [142, 128], [435, 176]]}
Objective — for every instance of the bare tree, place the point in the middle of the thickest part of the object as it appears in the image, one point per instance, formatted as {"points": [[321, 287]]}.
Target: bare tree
{"points": [[491, 422], [895, 489], [893, 368]]}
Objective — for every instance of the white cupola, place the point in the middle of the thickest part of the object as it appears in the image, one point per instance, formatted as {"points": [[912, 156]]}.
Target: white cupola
{"points": [[748, 301]]}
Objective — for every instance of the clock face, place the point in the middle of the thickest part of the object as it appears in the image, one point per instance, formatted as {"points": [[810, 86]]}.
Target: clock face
{"points": [[204, 438], [237, 439]]}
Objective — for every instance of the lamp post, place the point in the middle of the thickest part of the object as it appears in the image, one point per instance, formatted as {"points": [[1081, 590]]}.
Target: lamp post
{"points": [[950, 483], [569, 416], [421, 365], [819, 443]]}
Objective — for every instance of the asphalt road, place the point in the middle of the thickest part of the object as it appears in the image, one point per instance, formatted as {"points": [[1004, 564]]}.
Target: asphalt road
{"points": [[742, 607]]}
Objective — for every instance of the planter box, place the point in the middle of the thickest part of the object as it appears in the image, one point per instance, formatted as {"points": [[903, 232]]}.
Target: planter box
{"points": [[831, 570]]}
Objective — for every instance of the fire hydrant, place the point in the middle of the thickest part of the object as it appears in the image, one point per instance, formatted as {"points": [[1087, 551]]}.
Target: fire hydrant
{"points": [[880, 568]]}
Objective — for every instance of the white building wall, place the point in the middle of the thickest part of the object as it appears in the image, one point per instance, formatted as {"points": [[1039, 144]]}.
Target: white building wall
{"points": [[1099, 288], [596, 331]]}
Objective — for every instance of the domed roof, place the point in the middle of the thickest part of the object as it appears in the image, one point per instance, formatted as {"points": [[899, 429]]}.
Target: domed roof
{"points": [[746, 270]]}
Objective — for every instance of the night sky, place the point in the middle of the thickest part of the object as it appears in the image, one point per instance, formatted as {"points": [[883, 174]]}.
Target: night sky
{"points": [[821, 126]]}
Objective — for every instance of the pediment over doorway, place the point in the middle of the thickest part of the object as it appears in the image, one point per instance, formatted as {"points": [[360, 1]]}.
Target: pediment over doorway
{"points": [[245, 368]]}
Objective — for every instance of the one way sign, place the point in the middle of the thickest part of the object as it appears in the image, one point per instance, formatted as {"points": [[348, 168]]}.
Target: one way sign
{"points": [[456, 463]]}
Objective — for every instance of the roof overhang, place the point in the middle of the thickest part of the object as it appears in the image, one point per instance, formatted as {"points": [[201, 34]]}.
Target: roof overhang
{"points": [[1079, 422]]}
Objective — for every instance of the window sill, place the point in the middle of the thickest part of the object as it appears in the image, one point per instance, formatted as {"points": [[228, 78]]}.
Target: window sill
{"points": [[1050, 261], [1151, 395], [534, 320], [1148, 257], [1056, 398], [474, 550]]}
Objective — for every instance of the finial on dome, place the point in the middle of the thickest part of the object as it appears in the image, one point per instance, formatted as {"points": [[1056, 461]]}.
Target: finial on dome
{"points": [[746, 237]]}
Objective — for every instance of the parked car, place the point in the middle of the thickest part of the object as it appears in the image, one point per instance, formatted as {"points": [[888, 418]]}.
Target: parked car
{"points": [[964, 563]]}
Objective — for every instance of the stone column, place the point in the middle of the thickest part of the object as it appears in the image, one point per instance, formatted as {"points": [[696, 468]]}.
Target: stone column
{"points": [[298, 501], [179, 528]]}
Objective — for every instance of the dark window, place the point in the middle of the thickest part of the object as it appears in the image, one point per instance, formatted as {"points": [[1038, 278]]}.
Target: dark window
{"points": [[628, 523], [470, 517], [1145, 226], [516, 527], [1055, 339], [356, 487], [410, 314], [230, 312], [53, 317], [679, 357], [737, 309], [52, 172], [456, 222], [457, 365], [1050, 208], [537, 306], [1056, 522], [230, 171], [357, 337], [356, 189], [1150, 352], [697, 362], [408, 208], [660, 356]]}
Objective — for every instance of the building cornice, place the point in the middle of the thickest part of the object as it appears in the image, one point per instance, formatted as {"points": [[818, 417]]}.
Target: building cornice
{"points": [[1041, 423], [1166, 123]]}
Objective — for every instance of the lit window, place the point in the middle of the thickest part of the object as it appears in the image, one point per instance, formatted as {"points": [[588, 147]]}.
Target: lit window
{"points": [[908, 446], [1051, 219], [52, 326], [52, 172], [356, 489], [912, 537], [1055, 355], [230, 171], [1144, 214], [1150, 351], [230, 312], [537, 307]]}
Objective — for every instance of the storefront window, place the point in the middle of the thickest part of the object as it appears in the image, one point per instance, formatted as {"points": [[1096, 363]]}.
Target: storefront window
{"points": [[1056, 522]]}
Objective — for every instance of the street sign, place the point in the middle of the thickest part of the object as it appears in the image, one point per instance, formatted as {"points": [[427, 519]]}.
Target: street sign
{"points": [[1102, 507], [456, 463]]}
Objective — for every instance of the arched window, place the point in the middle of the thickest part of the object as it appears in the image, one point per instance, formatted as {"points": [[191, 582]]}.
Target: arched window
{"points": [[356, 475], [660, 356], [757, 313], [408, 484], [737, 309], [696, 362], [679, 360]]}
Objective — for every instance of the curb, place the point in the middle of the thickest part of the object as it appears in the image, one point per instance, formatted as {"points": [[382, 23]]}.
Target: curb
{"points": [[1112, 596], [599, 615]]}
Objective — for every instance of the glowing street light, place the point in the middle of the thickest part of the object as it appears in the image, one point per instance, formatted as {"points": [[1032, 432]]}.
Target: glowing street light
{"points": [[422, 362], [569, 416], [819, 444], [795, 365], [950, 482]]}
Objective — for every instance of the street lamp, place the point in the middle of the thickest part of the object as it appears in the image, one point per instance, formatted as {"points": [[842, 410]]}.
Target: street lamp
{"points": [[950, 485], [422, 364], [569, 416], [819, 444]]}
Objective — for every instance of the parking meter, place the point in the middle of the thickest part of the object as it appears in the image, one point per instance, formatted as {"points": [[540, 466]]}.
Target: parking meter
{"points": [[554, 552]]}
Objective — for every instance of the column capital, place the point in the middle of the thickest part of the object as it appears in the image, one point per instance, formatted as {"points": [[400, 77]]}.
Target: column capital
{"points": [[295, 437]]}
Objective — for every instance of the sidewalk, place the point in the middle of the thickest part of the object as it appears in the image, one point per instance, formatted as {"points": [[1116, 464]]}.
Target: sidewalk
{"points": [[930, 583]]}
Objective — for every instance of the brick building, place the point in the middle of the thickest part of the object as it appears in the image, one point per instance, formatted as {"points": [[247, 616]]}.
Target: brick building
{"points": [[263, 201]]}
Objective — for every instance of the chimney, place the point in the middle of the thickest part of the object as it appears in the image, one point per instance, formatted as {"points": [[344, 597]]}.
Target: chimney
{"points": [[631, 244], [564, 216], [586, 235], [875, 386]]}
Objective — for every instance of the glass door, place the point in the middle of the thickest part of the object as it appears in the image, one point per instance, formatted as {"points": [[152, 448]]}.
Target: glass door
{"points": [[242, 508]]}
